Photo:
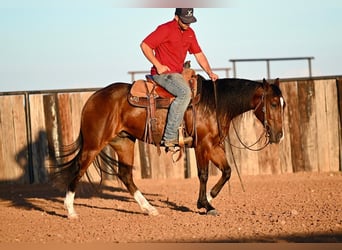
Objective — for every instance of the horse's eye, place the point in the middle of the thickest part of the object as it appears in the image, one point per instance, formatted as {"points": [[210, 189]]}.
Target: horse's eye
{"points": [[274, 105]]}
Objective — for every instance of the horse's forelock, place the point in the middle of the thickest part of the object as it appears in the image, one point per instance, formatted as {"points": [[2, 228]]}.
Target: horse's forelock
{"points": [[276, 90]]}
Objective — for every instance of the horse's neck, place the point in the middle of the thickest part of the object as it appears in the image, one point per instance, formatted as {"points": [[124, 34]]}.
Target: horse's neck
{"points": [[245, 102]]}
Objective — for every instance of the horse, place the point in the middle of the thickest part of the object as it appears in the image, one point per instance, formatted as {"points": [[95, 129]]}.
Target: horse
{"points": [[108, 119]]}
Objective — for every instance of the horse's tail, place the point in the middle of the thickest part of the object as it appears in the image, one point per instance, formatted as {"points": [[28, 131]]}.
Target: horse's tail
{"points": [[66, 166], [105, 163]]}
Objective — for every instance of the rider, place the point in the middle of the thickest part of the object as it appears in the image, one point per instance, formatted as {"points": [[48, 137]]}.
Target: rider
{"points": [[166, 49]]}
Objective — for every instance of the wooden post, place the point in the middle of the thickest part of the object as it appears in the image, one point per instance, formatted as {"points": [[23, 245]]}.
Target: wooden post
{"points": [[339, 101]]}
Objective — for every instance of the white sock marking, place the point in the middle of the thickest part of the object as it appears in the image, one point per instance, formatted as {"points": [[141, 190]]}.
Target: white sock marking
{"points": [[209, 197], [144, 204], [69, 204]]}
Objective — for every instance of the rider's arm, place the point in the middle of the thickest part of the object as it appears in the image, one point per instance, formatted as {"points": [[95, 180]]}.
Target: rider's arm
{"points": [[203, 62], [149, 54]]}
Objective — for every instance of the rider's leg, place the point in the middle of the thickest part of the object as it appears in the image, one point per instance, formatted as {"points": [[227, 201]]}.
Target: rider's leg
{"points": [[176, 85]]}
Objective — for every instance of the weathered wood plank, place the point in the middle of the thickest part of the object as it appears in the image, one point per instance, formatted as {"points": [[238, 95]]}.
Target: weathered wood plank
{"points": [[322, 127], [163, 167], [20, 132], [308, 97], [332, 127], [137, 171], [65, 121], [339, 102], [295, 131], [285, 146], [39, 143], [13, 150]]}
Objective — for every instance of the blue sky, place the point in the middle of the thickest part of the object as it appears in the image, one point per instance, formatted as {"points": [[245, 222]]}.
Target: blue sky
{"points": [[58, 47]]}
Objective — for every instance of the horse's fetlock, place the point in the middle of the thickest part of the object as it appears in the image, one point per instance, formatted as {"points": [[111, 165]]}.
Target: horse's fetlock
{"points": [[200, 205]]}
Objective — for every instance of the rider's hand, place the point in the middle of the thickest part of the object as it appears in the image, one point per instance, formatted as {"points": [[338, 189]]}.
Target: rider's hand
{"points": [[213, 76], [162, 69]]}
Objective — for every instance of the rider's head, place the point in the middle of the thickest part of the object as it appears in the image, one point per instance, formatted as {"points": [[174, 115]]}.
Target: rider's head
{"points": [[185, 16]]}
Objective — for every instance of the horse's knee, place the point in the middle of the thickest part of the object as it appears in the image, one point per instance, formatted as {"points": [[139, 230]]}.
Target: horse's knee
{"points": [[203, 176], [226, 173]]}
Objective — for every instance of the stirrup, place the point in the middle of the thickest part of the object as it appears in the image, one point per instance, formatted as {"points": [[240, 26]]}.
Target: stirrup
{"points": [[173, 143]]}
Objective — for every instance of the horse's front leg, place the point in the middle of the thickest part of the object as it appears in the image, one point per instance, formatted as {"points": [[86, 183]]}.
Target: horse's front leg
{"points": [[218, 157], [202, 170]]}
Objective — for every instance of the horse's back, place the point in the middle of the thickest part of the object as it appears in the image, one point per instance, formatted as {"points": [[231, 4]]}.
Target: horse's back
{"points": [[112, 90], [108, 95], [103, 102]]}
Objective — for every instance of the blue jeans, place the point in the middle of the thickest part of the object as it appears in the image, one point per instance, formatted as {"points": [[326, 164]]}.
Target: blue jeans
{"points": [[176, 85]]}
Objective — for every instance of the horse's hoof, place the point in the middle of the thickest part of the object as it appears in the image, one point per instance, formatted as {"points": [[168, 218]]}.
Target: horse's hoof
{"points": [[73, 216], [151, 211], [213, 212], [154, 212]]}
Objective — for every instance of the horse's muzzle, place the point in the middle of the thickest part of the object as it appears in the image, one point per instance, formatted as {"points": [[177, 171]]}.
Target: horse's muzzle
{"points": [[276, 137]]}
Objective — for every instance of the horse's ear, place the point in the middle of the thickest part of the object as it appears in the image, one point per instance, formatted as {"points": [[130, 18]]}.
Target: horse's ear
{"points": [[276, 82], [187, 65], [264, 83]]}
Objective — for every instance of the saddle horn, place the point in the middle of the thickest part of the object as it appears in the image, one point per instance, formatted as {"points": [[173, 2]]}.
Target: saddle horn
{"points": [[187, 64]]}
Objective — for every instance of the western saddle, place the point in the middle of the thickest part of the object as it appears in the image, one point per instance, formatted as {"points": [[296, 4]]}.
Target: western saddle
{"points": [[148, 94]]}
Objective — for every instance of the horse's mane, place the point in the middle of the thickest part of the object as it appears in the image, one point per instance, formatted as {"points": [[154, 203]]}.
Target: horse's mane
{"points": [[233, 97]]}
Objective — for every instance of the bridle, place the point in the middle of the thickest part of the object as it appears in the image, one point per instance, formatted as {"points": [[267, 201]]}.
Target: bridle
{"points": [[265, 133]]}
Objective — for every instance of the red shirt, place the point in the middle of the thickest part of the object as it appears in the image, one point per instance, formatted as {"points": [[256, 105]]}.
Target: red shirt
{"points": [[171, 44]]}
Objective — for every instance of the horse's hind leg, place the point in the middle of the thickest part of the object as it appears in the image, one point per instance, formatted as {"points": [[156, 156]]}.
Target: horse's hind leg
{"points": [[124, 148], [86, 158]]}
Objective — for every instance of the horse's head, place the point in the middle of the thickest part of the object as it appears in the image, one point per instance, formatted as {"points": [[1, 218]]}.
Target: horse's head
{"points": [[270, 106]]}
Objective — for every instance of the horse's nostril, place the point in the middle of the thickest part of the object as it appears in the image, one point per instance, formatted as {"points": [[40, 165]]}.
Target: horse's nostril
{"points": [[280, 136]]}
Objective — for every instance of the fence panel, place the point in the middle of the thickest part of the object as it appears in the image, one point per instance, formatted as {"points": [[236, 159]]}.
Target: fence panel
{"points": [[14, 165], [312, 141]]}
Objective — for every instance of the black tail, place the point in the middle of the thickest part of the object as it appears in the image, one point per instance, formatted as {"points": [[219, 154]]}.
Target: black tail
{"points": [[105, 163], [66, 166]]}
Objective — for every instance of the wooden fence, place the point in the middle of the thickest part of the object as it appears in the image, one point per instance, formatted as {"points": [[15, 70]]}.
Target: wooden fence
{"points": [[33, 123]]}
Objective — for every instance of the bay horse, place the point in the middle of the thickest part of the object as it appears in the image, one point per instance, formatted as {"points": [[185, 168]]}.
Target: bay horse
{"points": [[109, 119]]}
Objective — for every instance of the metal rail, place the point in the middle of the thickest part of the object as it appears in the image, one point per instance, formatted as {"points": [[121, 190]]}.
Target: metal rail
{"points": [[268, 60], [144, 72]]}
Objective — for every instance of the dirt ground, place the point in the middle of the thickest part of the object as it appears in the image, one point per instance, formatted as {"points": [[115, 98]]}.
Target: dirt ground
{"points": [[302, 207]]}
